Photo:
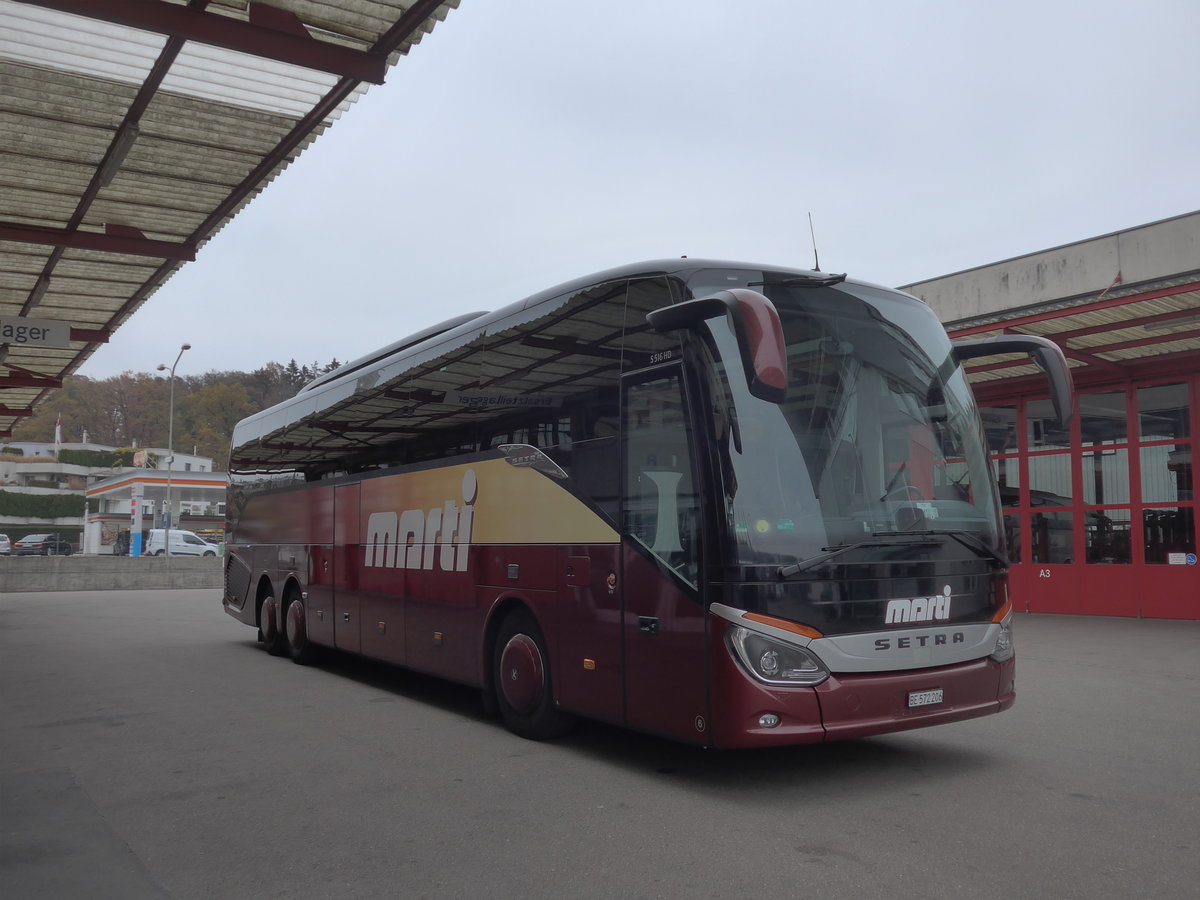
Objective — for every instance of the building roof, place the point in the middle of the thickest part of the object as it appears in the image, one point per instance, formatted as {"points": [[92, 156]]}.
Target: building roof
{"points": [[1121, 306], [185, 486], [132, 131]]}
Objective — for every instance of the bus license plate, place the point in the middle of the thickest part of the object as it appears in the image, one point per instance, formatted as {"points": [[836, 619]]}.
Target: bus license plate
{"points": [[924, 698]]}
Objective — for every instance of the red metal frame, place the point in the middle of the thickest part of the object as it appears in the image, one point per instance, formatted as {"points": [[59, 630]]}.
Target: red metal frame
{"points": [[1065, 312], [1137, 588], [112, 240]]}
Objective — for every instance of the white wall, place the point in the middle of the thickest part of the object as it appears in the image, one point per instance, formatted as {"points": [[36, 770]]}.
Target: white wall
{"points": [[1153, 252]]}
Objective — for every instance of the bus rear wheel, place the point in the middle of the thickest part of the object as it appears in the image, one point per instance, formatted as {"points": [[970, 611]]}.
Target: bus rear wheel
{"points": [[269, 631], [522, 683], [295, 629]]}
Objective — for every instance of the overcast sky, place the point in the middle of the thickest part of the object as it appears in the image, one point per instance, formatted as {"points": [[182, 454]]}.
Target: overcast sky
{"points": [[527, 142]]}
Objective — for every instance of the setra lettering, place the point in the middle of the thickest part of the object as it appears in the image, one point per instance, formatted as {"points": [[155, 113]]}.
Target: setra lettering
{"points": [[920, 640]]}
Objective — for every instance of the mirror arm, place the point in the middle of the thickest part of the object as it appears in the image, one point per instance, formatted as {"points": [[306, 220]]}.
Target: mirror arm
{"points": [[755, 324], [1046, 354]]}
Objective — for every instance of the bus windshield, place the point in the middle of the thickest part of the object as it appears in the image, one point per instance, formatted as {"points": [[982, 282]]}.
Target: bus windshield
{"points": [[878, 435]]}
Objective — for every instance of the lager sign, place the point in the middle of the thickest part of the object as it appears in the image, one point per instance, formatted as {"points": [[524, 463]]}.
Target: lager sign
{"points": [[35, 332]]}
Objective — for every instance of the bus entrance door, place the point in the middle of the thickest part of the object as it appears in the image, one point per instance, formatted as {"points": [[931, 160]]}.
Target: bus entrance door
{"points": [[662, 619], [347, 557]]}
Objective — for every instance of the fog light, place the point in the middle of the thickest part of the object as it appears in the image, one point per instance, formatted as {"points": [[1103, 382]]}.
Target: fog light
{"points": [[768, 720]]}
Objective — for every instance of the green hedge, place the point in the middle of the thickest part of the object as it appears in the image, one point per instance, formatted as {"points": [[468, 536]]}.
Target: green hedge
{"points": [[87, 457], [102, 458], [15, 451], [41, 506]]}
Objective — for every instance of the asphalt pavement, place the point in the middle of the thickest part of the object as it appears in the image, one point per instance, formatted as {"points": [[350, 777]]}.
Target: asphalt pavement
{"points": [[149, 748]]}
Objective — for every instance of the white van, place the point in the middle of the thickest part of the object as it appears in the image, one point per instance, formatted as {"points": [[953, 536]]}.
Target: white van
{"points": [[183, 543]]}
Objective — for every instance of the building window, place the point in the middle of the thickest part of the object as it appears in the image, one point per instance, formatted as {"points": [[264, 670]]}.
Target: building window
{"points": [[1163, 412], [1053, 537], [1043, 430], [1102, 418], [1106, 538], [1166, 473], [1050, 479], [1105, 476], [1000, 428], [1170, 535], [1012, 537], [1007, 472]]}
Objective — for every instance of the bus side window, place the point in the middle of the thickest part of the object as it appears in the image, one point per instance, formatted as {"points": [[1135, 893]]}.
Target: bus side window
{"points": [[661, 503], [594, 466]]}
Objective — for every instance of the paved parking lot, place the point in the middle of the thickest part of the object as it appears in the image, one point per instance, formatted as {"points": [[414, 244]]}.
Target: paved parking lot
{"points": [[148, 748]]}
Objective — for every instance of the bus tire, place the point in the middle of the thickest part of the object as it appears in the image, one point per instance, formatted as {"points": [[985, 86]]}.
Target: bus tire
{"points": [[295, 629], [269, 631], [522, 680]]}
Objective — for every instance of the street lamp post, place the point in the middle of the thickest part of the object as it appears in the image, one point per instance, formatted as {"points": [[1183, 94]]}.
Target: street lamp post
{"points": [[170, 448]]}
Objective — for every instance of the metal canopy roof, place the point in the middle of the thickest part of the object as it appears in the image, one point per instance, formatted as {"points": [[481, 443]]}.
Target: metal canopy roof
{"points": [[132, 131], [1140, 334]]}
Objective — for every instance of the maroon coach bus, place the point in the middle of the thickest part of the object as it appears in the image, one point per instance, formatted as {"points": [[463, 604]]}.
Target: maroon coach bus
{"points": [[734, 505]]}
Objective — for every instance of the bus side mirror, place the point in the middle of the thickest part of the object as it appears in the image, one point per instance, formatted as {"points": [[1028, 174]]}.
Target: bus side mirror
{"points": [[757, 329], [1047, 354]]}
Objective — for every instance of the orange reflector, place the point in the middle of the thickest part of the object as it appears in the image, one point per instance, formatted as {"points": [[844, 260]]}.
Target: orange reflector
{"points": [[590, 665], [1002, 612], [784, 624]]}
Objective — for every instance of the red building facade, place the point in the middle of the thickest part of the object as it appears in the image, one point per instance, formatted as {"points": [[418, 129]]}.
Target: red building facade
{"points": [[1101, 517]]}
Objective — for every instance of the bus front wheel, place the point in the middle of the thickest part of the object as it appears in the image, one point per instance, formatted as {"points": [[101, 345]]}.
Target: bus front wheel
{"points": [[521, 678]]}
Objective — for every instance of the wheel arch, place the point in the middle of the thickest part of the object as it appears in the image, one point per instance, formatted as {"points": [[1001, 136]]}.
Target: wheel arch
{"points": [[291, 585]]}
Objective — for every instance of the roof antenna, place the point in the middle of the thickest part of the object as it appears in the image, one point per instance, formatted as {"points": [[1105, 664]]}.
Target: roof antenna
{"points": [[816, 260]]}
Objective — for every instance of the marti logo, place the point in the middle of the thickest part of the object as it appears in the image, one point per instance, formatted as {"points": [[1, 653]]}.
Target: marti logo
{"points": [[919, 609], [414, 538]]}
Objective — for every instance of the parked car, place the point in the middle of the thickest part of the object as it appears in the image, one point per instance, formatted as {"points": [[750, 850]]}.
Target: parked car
{"points": [[183, 543], [5, 545], [42, 545]]}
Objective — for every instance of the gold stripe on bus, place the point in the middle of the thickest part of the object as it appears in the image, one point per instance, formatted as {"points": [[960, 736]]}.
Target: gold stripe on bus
{"points": [[508, 505]]}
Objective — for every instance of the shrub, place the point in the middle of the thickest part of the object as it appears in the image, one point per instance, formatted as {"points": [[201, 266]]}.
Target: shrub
{"points": [[41, 506]]}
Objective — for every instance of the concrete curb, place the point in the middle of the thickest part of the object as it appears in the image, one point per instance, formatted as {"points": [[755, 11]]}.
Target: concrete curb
{"points": [[107, 573]]}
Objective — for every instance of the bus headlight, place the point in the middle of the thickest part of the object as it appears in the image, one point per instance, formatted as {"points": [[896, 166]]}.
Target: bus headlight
{"points": [[774, 661], [1004, 643]]}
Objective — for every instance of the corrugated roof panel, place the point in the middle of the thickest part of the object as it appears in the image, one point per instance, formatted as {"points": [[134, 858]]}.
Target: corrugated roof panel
{"points": [[217, 129], [49, 39], [53, 97], [1159, 348], [238, 79], [187, 120], [362, 22]]}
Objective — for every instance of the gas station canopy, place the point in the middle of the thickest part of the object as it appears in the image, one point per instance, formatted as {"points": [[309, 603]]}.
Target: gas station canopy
{"points": [[132, 131]]}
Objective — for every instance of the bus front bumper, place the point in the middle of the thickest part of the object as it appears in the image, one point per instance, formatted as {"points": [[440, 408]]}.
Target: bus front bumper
{"points": [[748, 713]]}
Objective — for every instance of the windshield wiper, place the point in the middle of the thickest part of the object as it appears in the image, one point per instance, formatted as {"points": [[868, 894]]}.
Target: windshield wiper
{"points": [[817, 279], [796, 568], [968, 539]]}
